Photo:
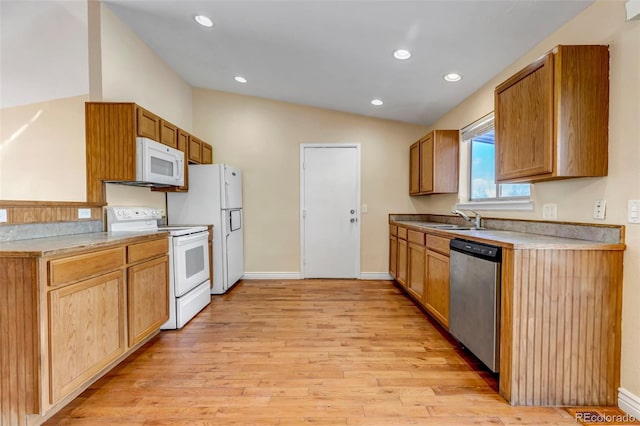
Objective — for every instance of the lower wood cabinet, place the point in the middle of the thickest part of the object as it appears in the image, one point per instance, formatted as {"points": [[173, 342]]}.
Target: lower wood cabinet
{"points": [[147, 282], [86, 331], [437, 287], [421, 266], [560, 305], [77, 313], [401, 264], [393, 255], [416, 264]]}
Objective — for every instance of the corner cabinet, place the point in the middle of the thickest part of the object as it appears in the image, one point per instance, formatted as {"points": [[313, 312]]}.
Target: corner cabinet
{"points": [[433, 163], [552, 117], [75, 313]]}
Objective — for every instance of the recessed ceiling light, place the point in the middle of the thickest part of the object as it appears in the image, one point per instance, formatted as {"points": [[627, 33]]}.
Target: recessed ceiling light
{"points": [[401, 54], [240, 79], [376, 102], [452, 77], [204, 21]]}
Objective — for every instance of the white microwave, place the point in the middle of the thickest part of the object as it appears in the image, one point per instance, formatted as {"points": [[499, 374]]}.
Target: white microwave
{"points": [[158, 164]]}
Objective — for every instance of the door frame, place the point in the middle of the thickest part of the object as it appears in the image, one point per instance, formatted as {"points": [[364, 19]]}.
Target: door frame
{"points": [[303, 146]]}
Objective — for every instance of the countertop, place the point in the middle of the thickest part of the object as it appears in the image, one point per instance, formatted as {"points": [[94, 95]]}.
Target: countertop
{"points": [[49, 246], [512, 239]]}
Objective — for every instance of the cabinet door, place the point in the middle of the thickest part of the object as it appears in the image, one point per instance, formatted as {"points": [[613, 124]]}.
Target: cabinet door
{"points": [[195, 150], [148, 298], [183, 145], [415, 280], [207, 154], [393, 255], [86, 331], [401, 267], [168, 134], [426, 164], [414, 169], [524, 122], [148, 124], [437, 287]]}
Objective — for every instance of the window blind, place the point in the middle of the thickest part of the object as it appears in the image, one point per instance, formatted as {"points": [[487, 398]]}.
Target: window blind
{"points": [[478, 127]]}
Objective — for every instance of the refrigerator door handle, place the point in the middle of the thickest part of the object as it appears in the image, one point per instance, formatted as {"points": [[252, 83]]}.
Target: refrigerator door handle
{"points": [[227, 223], [226, 195]]}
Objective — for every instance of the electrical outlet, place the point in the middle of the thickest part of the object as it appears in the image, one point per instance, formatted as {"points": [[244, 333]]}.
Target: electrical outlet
{"points": [[84, 213], [633, 211], [3, 215], [550, 211], [163, 213], [599, 207]]}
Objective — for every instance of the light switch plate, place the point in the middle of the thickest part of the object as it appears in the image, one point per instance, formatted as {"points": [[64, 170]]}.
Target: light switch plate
{"points": [[550, 211], [364, 209], [3, 215], [84, 213], [599, 207], [633, 212]]}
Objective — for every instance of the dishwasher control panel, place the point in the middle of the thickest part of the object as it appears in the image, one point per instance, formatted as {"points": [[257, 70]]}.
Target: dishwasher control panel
{"points": [[478, 249]]}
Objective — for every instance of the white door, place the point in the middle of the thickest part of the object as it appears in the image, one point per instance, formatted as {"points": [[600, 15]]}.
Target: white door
{"points": [[330, 211]]}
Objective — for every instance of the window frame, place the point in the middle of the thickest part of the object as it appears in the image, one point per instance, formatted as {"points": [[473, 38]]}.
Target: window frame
{"points": [[477, 128]]}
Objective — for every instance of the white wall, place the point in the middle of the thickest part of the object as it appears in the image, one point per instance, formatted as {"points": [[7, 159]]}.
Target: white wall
{"points": [[602, 23], [44, 81], [132, 72], [44, 51], [263, 138]]}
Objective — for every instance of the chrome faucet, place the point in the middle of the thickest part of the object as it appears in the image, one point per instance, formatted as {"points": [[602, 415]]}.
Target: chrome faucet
{"points": [[477, 219]]}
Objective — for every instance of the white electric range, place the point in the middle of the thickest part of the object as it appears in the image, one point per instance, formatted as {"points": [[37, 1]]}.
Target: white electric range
{"points": [[189, 285]]}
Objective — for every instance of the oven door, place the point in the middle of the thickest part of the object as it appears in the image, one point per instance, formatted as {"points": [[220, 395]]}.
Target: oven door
{"points": [[190, 261]]}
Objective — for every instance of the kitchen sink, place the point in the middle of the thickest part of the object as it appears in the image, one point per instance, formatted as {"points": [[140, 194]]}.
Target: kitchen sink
{"points": [[447, 226]]}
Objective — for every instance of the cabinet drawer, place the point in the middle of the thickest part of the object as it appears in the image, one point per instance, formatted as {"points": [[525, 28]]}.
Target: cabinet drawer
{"points": [[439, 244], [402, 233], [393, 230], [147, 250], [416, 237], [70, 269]]}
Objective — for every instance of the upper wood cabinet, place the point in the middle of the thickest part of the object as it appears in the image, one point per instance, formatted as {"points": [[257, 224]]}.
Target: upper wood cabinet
{"points": [[151, 126], [195, 150], [433, 165], [552, 117], [147, 123], [111, 131], [168, 134], [207, 154], [200, 152], [414, 168]]}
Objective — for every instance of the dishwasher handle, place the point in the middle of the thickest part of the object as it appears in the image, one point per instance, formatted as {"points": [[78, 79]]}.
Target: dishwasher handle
{"points": [[475, 249]]}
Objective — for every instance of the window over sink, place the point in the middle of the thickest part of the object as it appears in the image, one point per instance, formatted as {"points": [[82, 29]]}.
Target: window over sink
{"points": [[481, 190]]}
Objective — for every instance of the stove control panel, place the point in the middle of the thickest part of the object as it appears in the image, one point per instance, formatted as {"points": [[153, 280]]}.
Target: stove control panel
{"points": [[121, 214]]}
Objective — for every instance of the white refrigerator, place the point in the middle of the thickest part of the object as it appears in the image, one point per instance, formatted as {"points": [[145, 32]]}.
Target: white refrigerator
{"points": [[214, 197]]}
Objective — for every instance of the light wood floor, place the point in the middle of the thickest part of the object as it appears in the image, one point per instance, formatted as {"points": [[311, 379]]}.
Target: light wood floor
{"points": [[324, 352]]}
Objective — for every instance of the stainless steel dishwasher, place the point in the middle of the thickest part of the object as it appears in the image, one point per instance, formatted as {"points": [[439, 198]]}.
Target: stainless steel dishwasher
{"points": [[474, 303]]}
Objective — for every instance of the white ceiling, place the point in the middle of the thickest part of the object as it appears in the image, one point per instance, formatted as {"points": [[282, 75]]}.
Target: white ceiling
{"points": [[338, 54]]}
